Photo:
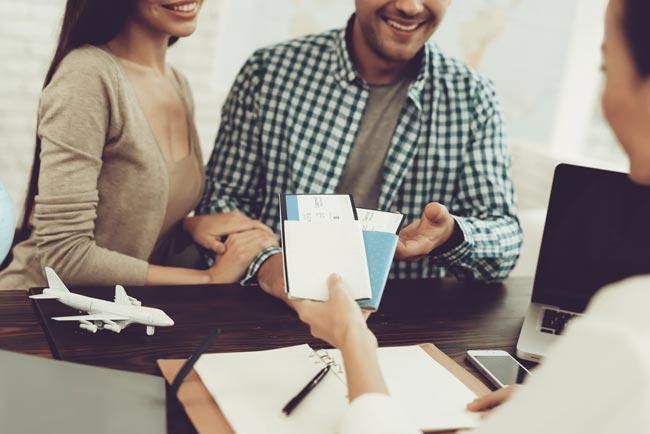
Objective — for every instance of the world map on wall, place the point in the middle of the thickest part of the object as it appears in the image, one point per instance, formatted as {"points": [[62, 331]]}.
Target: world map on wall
{"points": [[510, 41], [522, 45]]}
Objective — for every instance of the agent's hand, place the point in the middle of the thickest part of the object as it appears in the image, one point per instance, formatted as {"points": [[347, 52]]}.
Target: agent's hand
{"points": [[332, 320], [240, 250], [492, 399], [210, 229], [423, 235]]}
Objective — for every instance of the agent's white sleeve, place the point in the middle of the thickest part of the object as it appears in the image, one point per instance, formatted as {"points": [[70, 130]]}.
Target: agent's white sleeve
{"points": [[374, 413], [596, 379]]}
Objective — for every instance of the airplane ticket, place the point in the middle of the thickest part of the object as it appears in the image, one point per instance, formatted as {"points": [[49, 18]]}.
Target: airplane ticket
{"points": [[319, 207]]}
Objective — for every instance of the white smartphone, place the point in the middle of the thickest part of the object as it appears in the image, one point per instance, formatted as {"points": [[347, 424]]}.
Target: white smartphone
{"points": [[498, 366]]}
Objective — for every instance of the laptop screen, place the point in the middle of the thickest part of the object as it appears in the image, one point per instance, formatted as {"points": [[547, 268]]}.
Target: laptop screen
{"points": [[597, 232]]}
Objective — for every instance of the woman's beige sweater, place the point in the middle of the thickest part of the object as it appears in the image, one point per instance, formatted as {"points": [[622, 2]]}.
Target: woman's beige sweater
{"points": [[103, 184]]}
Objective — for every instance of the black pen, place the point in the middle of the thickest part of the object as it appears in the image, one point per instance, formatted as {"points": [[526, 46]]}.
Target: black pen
{"points": [[293, 403], [189, 363]]}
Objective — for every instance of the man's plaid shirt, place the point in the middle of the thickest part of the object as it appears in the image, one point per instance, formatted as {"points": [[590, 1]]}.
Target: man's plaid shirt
{"points": [[290, 121]]}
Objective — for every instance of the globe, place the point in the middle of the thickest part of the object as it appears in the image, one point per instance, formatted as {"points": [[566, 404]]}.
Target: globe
{"points": [[7, 222]]}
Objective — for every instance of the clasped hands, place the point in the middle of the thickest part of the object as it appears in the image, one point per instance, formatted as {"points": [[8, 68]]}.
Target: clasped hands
{"points": [[234, 237]]}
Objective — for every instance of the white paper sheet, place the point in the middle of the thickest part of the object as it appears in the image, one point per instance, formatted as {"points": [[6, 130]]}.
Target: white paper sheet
{"points": [[315, 250], [427, 392], [380, 221], [251, 388]]}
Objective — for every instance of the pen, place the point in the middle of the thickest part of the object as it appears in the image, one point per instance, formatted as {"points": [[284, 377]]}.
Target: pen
{"points": [[293, 403], [189, 363]]}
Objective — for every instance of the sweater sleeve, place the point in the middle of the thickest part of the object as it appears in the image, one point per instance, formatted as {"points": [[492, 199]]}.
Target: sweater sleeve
{"points": [[75, 112]]}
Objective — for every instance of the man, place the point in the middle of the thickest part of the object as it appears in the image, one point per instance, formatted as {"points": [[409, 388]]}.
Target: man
{"points": [[375, 111]]}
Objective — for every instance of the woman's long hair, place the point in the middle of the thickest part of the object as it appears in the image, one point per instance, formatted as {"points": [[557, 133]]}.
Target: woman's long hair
{"points": [[94, 22], [635, 26]]}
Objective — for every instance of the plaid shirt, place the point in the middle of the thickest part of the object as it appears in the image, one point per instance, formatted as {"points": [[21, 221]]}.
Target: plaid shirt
{"points": [[290, 121]]}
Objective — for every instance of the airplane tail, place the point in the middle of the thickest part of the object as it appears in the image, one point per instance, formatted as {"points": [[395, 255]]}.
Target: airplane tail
{"points": [[58, 289], [54, 281]]}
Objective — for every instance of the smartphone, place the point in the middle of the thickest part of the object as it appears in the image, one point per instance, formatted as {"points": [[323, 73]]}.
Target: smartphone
{"points": [[498, 366]]}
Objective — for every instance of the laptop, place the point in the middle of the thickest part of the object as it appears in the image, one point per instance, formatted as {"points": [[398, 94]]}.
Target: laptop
{"points": [[597, 232], [39, 395]]}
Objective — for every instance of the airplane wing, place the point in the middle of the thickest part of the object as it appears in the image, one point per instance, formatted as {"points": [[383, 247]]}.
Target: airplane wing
{"points": [[92, 317], [44, 297], [120, 296]]}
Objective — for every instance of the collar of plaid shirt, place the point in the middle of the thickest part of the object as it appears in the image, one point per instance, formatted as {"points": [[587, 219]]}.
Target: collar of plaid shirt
{"points": [[348, 73], [404, 144]]}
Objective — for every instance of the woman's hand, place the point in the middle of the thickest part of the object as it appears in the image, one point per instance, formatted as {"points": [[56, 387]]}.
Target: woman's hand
{"points": [[208, 230], [240, 250], [492, 399], [338, 320]]}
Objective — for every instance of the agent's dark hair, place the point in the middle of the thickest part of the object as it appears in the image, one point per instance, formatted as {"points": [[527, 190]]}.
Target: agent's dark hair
{"points": [[94, 22], [636, 15]]}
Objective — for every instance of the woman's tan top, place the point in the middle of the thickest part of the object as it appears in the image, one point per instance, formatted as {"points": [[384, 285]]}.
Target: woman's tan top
{"points": [[104, 187]]}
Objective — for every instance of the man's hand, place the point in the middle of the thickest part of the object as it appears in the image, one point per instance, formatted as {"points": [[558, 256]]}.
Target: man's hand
{"points": [[271, 277], [208, 230], [423, 235]]}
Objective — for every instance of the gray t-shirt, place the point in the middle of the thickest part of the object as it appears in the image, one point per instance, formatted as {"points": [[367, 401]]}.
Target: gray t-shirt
{"points": [[363, 173]]}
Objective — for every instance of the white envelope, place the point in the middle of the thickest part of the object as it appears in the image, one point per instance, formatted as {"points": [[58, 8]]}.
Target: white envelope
{"points": [[315, 250]]}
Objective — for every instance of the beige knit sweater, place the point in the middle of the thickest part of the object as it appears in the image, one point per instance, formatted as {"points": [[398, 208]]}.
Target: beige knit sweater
{"points": [[103, 185]]}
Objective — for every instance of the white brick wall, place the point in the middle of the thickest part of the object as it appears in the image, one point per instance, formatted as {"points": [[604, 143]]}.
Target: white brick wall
{"points": [[228, 32], [27, 41]]}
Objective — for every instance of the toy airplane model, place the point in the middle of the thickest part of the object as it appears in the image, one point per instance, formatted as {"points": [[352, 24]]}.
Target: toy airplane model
{"points": [[102, 314]]}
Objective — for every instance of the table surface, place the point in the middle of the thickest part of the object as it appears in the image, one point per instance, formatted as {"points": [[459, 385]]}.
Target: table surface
{"points": [[455, 316], [20, 328]]}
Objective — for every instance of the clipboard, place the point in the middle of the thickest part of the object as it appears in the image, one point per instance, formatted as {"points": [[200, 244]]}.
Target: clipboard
{"points": [[207, 417]]}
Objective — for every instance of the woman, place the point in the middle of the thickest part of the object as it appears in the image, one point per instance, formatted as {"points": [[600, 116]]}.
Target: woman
{"points": [[118, 165], [597, 378]]}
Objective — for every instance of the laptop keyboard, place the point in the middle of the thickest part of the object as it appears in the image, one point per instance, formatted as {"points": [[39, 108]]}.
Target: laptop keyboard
{"points": [[554, 321]]}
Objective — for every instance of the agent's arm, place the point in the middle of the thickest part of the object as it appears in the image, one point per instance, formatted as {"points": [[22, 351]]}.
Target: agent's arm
{"points": [[340, 322]]}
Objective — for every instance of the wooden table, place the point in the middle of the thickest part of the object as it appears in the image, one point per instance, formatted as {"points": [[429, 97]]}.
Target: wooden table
{"points": [[20, 328], [453, 315]]}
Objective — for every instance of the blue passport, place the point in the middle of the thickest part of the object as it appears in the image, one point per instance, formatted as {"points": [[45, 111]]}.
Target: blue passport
{"points": [[380, 249], [379, 231]]}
